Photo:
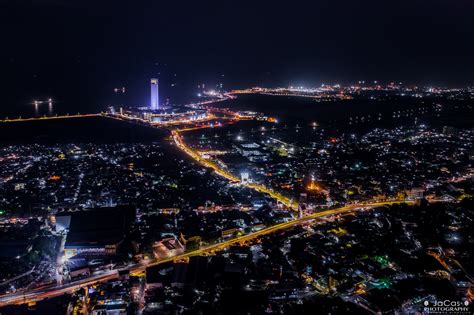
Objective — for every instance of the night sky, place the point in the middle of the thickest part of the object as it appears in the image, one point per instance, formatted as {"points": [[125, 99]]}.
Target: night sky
{"points": [[77, 51]]}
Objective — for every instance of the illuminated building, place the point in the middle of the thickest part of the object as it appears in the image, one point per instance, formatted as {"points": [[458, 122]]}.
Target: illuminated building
{"points": [[178, 116], [251, 150], [312, 185], [95, 232], [415, 193], [155, 99], [168, 247], [244, 177]]}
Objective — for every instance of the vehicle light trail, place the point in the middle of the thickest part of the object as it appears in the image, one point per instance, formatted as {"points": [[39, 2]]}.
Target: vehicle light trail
{"points": [[50, 291], [178, 139], [56, 290]]}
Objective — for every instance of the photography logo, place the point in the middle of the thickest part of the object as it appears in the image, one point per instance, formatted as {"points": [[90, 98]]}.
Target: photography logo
{"points": [[446, 307]]}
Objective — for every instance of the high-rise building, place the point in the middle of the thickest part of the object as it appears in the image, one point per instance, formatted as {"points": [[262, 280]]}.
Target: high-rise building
{"points": [[155, 100]]}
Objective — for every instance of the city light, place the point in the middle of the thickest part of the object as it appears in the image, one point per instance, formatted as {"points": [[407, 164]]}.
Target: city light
{"points": [[246, 158]]}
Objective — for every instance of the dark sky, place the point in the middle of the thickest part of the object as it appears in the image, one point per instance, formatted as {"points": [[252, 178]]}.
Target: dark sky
{"points": [[79, 50]]}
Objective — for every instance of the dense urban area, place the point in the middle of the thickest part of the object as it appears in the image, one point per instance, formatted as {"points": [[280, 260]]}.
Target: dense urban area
{"points": [[232, 208]]}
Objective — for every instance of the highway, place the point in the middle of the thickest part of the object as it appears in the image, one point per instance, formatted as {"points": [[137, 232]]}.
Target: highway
{"points": [[51, 291], [54, 290]]}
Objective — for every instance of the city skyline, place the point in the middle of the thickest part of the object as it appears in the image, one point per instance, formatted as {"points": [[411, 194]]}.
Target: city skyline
{"points": [[236, 157], [240, 46], [222, 163]]}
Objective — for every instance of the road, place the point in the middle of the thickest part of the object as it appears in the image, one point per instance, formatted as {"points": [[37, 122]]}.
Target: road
{"points": [[178, 139], [39, 294], [48, 118], [50, 291]]}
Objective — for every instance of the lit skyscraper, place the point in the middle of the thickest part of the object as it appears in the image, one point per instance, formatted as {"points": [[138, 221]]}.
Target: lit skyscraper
{"points": [[155, 100]]}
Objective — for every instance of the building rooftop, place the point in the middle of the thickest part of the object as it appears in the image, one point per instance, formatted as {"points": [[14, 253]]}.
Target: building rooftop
{"points": [[100, 226]]}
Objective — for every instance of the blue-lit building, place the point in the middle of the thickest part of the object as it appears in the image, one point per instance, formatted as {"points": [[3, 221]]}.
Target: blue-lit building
{"points": [[155, 100]]}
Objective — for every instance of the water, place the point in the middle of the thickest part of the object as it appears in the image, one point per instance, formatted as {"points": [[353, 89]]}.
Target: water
{"points": [[77, 130], [290, 111], [46, 108], [337, 114]]}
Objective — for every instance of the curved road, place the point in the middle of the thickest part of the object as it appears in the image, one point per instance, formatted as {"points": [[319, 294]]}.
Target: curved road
{"points": [[50, 291], [56, 290]]}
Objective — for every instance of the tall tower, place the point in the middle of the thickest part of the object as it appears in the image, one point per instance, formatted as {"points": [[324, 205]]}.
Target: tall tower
{"points": [[155, 100]]}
